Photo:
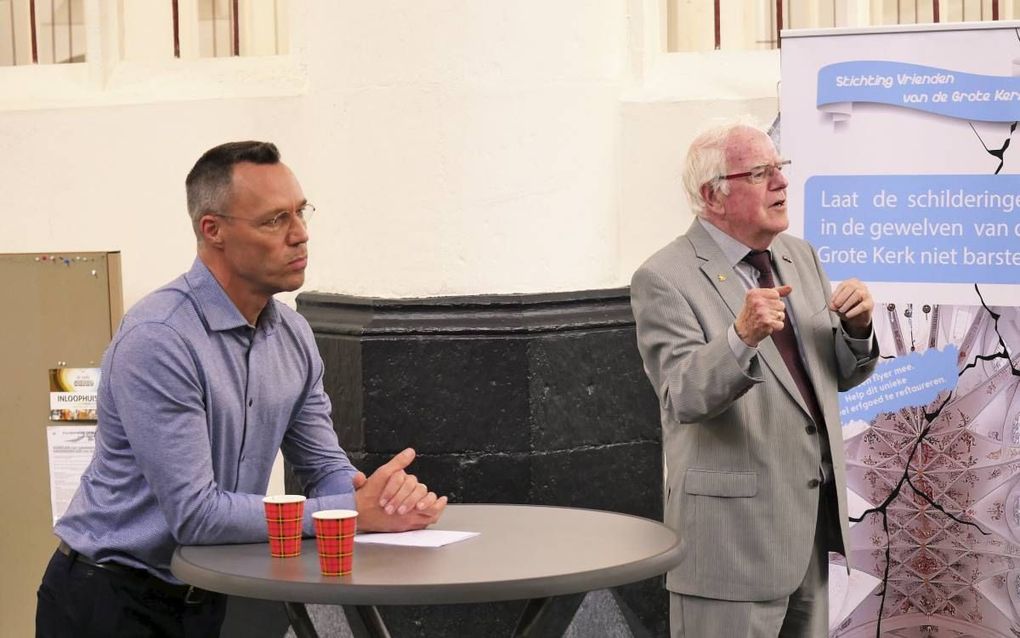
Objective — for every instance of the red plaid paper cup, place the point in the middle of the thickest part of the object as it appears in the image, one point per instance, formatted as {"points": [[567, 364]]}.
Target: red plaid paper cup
{"points": [[284, 514], [334, 536]]}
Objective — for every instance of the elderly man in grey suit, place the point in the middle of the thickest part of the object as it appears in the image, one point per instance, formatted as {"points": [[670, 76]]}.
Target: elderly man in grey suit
{"points": [[746, 346]]}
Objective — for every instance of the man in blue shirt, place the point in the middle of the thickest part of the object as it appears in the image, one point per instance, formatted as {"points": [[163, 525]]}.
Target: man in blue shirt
{"points": [[204, 381]]}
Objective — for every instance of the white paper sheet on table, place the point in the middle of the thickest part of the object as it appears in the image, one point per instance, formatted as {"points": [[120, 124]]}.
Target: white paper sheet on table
{"points": [[416, 538]]}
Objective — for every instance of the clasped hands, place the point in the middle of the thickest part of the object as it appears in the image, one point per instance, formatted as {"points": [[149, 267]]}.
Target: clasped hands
{"points": [[391, 500], [764, 311]]}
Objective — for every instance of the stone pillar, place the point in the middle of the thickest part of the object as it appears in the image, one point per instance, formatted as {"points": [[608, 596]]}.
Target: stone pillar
{"points": [[537, 398]]}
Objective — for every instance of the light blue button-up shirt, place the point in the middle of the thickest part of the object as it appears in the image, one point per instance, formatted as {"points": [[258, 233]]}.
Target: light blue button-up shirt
{"points": [[193, 404]]}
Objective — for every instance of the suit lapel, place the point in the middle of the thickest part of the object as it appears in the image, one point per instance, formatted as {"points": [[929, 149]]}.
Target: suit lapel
{"points": [[769, 353], [720, 275], [789, 273], [716, 268]]}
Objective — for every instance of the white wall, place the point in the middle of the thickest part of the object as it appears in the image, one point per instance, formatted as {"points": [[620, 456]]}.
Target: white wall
{"points": [[451, 148], [654, 141]]}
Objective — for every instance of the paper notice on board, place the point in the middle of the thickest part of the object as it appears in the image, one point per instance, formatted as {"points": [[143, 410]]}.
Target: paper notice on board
{"points": [[70, 452], [73, 394]]}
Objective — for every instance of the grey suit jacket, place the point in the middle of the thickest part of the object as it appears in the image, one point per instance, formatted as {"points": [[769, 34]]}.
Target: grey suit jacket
{"points": [[739, 453]]}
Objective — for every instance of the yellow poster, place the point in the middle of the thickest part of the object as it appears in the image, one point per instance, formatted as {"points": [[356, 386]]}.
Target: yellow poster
{"points": [[73, 394]]}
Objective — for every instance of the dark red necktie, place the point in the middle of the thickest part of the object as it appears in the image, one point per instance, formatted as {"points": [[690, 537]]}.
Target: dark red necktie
{"points": [[785, 339]]}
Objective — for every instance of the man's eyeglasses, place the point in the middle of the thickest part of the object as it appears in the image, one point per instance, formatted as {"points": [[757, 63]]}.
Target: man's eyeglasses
{"points": [[759, 174], [278, 222]]}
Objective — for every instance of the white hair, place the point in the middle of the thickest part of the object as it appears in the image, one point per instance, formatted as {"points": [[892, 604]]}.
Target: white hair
{"points": [[706, 161]]}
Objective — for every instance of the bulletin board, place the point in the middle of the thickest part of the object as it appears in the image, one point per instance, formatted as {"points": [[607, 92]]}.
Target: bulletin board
{"points": [[59, 311]]}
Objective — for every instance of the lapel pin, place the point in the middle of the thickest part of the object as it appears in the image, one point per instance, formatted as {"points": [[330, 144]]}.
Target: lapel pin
{"points": [[787, 259], [722, 277]]}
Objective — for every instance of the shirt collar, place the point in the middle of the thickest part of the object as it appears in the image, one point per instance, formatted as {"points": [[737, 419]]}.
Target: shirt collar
{"points": [[219, 311], [733, 250]]}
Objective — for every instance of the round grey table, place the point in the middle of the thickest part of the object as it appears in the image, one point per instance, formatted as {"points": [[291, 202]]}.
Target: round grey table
{"points": [[550, 555]]}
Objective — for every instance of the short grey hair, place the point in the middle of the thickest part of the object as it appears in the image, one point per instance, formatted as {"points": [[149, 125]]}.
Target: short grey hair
{"points": [[706, 161], [208, 184]]}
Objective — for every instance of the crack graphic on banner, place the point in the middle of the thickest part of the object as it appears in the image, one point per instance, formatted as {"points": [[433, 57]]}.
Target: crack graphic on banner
{"points": [[882, 509], [997, 153], [931, 566]]}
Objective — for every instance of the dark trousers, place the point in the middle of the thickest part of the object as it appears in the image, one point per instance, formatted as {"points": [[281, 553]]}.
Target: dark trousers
{"points": [[78, 599]]}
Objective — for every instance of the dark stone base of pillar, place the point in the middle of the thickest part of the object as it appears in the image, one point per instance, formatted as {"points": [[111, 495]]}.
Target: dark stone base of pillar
{"points": [[507, 399]]}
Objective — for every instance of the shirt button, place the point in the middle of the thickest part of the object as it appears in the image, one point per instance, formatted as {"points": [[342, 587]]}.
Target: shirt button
{"points": [[813, 483], [244, 456], [811, 429], [249, 402]]}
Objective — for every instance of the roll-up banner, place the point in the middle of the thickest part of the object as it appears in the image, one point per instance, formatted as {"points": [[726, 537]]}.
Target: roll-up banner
{"points": [[905, 175]]}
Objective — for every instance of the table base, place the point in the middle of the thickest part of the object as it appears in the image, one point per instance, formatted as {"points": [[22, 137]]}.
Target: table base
{"points": [[541, 618]]}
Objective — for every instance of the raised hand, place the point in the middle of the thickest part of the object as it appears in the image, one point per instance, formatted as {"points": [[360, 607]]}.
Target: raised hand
{"points": [[853, 303], [762, 314]]}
